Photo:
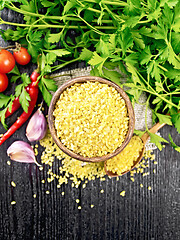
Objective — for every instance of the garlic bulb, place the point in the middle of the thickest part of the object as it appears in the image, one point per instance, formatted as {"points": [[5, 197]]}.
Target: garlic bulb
{"points": [[20, 151], [37, 127]]}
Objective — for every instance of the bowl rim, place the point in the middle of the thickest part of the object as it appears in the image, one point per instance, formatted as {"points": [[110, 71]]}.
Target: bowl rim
{"points": [[83, 79]]}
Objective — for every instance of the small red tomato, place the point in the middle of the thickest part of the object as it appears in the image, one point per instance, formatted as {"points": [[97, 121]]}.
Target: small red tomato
{"points": [[22, 56], [7, 61], [3, 82]]}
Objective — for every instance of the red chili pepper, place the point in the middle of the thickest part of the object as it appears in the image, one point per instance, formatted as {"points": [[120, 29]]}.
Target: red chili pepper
{"points": [[33, 93], [15, 106]]}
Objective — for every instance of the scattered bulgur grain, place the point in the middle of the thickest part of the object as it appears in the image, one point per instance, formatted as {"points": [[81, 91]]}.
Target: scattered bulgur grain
{"points": [[77, 200], [102, 191], [43, 181], [154, 170], [40, 168], [92, 205], [79, 207], [155, 162], [13, 184], [132, 179], [123, 193], [73, 170], [62, 193], [9, 163], [34, 195], [149, 188], [141, 185], [87, 114], [35, 151], [13, 202], [47, 192]]}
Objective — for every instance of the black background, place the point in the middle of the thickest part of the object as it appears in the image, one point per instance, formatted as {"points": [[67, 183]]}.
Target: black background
{"points": [[141, 214]]}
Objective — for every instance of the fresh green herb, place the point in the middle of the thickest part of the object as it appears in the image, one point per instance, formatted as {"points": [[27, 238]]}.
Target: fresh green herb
{"points": [[177, 148], [157, 140], [137, 38]]}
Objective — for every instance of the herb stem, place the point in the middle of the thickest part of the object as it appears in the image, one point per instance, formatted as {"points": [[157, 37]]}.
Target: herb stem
{"points": [[93, 28], [158, 95], [120, 3], [70, 18], [43, 26], [147, 104], [54, 68]]}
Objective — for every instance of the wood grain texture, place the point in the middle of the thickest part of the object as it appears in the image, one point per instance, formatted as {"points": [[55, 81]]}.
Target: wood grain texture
{"points": [[141, 214]]}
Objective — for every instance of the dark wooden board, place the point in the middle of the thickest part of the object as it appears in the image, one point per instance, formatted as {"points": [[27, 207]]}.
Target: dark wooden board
{"points": [[141, 214]]}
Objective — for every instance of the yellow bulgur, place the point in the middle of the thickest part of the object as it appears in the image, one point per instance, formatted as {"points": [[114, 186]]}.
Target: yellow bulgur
{"points": [[76, 171], [91, 119], [124, 160], [72, 169]]}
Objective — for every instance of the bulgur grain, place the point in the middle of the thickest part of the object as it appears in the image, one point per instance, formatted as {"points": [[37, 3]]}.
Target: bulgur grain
{"points": [[124, 160], [13, 184], [77, 171], [122, 193], [87, 114]]}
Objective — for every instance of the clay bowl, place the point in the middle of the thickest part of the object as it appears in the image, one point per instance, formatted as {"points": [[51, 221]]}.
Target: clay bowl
{"points": [[53, 130]]}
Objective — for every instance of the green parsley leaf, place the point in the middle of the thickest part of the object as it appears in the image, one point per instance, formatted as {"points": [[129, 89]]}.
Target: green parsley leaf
{"points": [[145, 56], [139, 133], [25, 79], [164, 118], [4, 99], [2, 117], [112, 75], [59, 52], [157, 140], [18, 89], [54, 37], [15, 71], [125, 39], [176, 121], [177, 148], [50, 84], [46, 94], [24, 99], [85, 54]]}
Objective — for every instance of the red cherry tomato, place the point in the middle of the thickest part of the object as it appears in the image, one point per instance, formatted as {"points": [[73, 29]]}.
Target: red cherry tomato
{"points": [[3, 82], [7, 61], [22, 56]]}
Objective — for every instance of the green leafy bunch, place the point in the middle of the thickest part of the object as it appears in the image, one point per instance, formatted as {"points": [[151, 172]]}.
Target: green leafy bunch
{"points": [[139, 39]]}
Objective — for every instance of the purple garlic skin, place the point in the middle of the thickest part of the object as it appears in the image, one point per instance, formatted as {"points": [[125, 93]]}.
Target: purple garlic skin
{"points": [[20, 151], [37, 127]]}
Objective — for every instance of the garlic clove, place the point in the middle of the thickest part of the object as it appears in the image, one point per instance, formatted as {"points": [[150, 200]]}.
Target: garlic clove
{"points": [[37, 127], [20, 151]]}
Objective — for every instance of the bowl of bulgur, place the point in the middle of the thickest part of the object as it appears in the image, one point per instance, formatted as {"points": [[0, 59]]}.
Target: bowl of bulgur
{"points": [[91, 119]]}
